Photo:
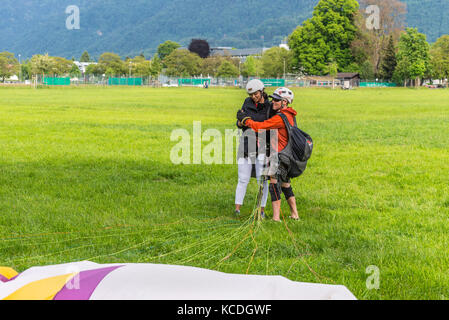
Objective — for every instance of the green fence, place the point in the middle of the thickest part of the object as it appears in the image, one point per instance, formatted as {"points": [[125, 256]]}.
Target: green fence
{"points": [[273, 82], [377, 84], [193, 82], [125, 81], [54, 81]]}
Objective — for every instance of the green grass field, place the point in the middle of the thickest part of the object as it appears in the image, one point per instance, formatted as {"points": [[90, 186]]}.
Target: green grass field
{"points": [[85, 174]]}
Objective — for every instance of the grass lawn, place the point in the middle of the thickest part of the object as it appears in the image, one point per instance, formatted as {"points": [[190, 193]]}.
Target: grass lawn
{"points": [[85, 174]]}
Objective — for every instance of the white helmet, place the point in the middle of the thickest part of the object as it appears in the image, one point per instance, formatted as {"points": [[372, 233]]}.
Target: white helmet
{"points": [[285, 93], [254, 86]]}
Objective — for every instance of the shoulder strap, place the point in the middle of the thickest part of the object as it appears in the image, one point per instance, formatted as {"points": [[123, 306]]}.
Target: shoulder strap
{"points": [[286, 122], [268, 112], [288, 126]]}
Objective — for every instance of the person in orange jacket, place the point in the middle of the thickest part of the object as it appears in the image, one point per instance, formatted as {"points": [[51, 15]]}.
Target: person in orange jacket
{"points": [[279, 181]]}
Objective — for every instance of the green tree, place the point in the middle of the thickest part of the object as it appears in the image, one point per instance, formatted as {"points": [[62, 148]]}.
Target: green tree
{"points": [[276, 61], [112, 63], [51, 66], [211, 65], [110, 72], [309, 48], [389, 62], [26, 70], [227, 70], [41, 64], [140, 66], [332, 69], [60, 66], [327, 35], [366, 70], [94, 69], [156, 66], [85, 57], [9, 65], [252, 67], [402, 71], [183, 63], [413, 56], [248, 68], [75, 71], [439, 58], [166, 48]]}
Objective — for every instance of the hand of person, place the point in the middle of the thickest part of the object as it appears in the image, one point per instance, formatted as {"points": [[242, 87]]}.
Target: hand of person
{"points": [[242, 117]]}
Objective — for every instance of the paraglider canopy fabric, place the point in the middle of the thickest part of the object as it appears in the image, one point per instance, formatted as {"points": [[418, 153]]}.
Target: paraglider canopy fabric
{"points": [[90, 281], [6, 274]]}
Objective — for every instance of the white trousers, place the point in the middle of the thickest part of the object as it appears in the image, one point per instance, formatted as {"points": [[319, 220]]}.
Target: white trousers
{"points": [[245, 167]]}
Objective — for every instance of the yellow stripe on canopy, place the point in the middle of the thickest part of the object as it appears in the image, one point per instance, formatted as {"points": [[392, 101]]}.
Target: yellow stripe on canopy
{"points": [[44, 289], [8, 273]]}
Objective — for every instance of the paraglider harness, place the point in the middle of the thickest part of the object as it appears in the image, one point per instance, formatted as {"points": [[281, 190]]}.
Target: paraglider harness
{"points": [[292, 160], [298, 151]]}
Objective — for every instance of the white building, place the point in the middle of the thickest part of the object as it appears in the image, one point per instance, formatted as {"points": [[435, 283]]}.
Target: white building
{"points": [[285, 46], [83, 65]]}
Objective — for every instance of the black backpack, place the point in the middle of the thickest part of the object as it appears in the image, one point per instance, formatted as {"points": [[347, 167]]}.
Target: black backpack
{"points": [[298, 150]]}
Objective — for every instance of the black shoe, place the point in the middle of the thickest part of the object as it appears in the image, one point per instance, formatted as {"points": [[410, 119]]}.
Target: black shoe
{"points": [[237, 213]]}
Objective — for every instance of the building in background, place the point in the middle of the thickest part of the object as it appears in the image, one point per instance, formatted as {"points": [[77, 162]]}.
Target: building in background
{"points": [[241, 54], [349, 79], [83, 65]]}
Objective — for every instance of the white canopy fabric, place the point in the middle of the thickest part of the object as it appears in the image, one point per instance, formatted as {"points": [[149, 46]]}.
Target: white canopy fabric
{"points": [[90, 281]]}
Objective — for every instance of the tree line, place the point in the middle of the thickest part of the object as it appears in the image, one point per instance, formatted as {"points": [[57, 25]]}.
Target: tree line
{"points": [[169, 59]]}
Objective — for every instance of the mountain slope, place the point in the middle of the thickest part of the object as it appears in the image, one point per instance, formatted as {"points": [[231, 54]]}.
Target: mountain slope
{"points": [[429, 16]]}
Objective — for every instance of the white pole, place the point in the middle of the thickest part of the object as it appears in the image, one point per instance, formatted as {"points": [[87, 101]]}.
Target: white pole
{"points": [[284, 69], [20, 70]]}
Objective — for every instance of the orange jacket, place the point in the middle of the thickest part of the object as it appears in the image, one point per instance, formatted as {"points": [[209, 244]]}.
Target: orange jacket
{"points": [[275, 123]]}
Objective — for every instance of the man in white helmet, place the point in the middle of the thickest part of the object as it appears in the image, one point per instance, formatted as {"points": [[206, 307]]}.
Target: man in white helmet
{"points": [[252, 153], [282, 98]]}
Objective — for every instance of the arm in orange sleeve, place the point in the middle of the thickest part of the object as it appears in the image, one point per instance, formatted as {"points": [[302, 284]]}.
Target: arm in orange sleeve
{"points": [[274, 123]]}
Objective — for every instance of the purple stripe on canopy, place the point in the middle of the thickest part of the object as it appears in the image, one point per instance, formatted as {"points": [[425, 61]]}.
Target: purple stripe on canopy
{"points": [[13, 278], [88, 281], [3, 278]]}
